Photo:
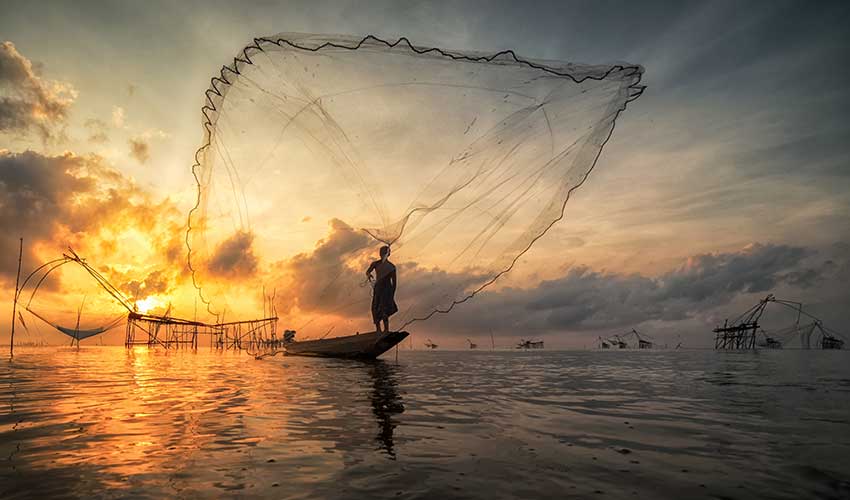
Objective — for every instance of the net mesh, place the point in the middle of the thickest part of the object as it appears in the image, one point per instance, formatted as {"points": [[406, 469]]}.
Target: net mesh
{"points": [[319, 149]]}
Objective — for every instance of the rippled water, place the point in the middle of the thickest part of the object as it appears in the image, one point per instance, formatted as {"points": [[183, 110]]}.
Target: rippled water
{"points": [[109, 422]]}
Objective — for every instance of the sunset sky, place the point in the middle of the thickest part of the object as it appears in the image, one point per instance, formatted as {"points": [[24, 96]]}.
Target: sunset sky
{"points": [[727, 180]]}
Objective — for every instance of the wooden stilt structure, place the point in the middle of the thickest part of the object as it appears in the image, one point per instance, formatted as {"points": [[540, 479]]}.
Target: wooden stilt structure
{"points": [[171, 333], [742, 332], [15, 302]]}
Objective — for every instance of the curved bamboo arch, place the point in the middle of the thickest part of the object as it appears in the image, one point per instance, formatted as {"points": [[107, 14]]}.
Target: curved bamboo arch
{"points": [[44, 270]]}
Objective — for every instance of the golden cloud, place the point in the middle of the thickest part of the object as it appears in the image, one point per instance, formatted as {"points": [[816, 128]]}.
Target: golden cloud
{"points": [[28, 102]]}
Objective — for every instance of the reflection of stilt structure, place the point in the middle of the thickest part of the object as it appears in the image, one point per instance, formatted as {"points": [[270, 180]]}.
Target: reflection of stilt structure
{"points": [[143, 329]]}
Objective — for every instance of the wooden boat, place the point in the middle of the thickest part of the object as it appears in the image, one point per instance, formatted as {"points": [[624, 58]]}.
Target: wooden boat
{"points": [[362, 346]]}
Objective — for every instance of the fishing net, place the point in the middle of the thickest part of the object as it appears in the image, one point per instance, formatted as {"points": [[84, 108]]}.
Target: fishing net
{"points": [[70, 297], [320, 149]]}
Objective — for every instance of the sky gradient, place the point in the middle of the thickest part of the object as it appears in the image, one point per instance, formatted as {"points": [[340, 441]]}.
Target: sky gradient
{"points": [[727, 180]]}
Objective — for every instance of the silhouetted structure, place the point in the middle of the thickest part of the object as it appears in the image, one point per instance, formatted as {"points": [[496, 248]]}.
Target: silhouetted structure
{"points": [[621, 341], [743, 332], [151, 330], [530, 344], [169, 332]]}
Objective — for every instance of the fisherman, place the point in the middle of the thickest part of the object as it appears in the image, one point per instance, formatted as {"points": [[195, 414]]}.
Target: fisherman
{"points": [[383, 295]]}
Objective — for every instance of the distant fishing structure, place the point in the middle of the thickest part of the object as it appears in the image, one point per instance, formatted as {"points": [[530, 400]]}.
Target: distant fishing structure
{"points": [[530, 344], [430, 345], [621, 341], [745, 332], [472, 345]]}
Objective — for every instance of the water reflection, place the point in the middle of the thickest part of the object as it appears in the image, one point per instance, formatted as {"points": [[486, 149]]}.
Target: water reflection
{"points": [[153, 424], [386, 403]]}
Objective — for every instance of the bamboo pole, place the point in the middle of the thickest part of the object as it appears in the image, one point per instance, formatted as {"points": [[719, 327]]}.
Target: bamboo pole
{"points": [[15, 302]]}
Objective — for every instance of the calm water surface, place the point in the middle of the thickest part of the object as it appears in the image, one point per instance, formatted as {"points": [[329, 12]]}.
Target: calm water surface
{"points": [[107, 422]]}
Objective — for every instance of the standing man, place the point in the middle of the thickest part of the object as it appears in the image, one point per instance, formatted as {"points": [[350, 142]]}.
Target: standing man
{"points": [[383, 295]]}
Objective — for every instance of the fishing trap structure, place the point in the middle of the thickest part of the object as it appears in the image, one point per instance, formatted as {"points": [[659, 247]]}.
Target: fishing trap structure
{"points": [[621, 341], [153, 330], [746, 333]]}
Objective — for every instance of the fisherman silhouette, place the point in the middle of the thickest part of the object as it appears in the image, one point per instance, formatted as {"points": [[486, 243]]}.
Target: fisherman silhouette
{"points": [[383, 295]]}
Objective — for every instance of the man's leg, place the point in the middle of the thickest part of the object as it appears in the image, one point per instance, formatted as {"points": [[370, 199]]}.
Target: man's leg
{"points": [[378, 326], [386, 324]]}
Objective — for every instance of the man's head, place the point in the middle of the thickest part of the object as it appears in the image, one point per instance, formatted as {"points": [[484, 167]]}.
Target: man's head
{"points": [[385, 251]]}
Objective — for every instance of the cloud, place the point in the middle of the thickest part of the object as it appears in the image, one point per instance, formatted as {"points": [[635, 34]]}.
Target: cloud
{"points": [[28, 102], [329, 281], [97, 130], [709, 277], [118, 116], [322, 279], [35, 193], [234, 257], [586, 300], [80, 201], [156, 282], [140, 149]]}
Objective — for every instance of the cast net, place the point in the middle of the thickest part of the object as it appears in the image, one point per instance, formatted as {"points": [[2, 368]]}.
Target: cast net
{"points": [[320, 149]]}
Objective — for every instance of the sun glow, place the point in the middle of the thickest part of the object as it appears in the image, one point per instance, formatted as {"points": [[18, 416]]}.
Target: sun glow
{"points": [[148, 304]]}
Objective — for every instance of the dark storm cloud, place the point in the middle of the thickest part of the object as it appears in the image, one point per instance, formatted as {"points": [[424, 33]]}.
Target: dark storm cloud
{"points": [[26, 100], [709, 277], [313, 274], [584, 299], [234, 257]]}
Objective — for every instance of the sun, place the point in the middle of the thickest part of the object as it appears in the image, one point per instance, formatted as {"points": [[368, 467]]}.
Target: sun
{"points": [[147, 304]]}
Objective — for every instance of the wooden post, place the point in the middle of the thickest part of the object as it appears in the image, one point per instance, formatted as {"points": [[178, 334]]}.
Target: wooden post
{"points": [[15, 302]]}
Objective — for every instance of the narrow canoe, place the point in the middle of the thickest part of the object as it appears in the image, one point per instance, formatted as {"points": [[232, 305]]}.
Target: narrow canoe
{"points": [[363, 346]]}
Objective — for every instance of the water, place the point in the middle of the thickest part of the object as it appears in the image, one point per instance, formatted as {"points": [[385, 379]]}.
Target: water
{"points": [[107, 422]]}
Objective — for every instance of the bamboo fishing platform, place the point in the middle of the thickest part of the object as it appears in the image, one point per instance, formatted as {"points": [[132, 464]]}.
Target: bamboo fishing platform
{"points": [[147, 329], [743, 332], [170, 332]]}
